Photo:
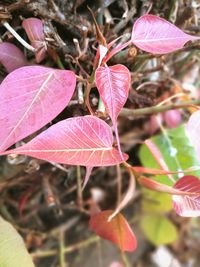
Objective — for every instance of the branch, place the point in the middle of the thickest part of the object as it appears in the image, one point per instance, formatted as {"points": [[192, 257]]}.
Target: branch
{"points": [[53, 252], [156, 109]]}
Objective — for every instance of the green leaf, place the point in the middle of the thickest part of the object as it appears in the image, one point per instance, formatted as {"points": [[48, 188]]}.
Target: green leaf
{"points": [[155, 202], [184, 157], [13, 252], [158, 229]]}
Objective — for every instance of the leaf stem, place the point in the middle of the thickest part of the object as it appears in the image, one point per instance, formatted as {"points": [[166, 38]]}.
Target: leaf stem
{"points": [[61, 249], [18, 37], [79, 189]]}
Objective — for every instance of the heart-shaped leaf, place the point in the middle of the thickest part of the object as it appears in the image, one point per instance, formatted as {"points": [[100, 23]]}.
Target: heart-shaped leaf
{"points": [[13, 252], [83, 141], [158, 229], [117, 230], [188, 205], [30, 97], [113, 84], [155, 202], [11, 57], [34, 30], [158, 36]]}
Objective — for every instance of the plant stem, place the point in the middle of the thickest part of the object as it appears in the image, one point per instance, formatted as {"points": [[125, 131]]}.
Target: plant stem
{"points": [[125, 260], [69, 249], [156, 109], [18, 37], [61, 249], [79, 187], [59, 63], [101, 107]]}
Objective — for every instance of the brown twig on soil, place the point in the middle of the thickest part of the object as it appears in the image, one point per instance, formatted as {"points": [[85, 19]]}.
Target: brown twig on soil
{"points": [[124, 21]]}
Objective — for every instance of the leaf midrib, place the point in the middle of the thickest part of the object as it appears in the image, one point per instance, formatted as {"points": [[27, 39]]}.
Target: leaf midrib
{"points": [[29, 108]]}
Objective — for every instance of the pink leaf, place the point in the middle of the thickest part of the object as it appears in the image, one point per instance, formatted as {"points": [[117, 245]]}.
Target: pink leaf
{"points": [[154, 123], [158, 36], [172, 118], [113, 84], [116, 50], [87, 175], [153, 185], [116, 264], [117, 231], [11, 56], [188, 205], [83, 141], [192, 131], [102, 52], [34, 29], [158, 157], [30, 97]]}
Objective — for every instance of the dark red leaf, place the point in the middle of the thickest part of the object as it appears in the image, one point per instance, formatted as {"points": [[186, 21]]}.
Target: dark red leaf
{"points": [[117, 230]]}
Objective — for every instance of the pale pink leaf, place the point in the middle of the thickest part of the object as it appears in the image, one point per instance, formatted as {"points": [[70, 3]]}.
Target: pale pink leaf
{"points": [[85, 141], [30, 97], [188, 205], [192, 130], [116, 264], [11, 57], [172, 118], [117, 231], [102, 52], [87, 175], [34, 30], [113, 84], [158, 36]]}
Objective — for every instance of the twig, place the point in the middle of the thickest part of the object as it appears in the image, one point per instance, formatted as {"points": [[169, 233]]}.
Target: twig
{"points": [[18, 37], [69, 249], [79, 187], [124, 21], [156, 109], [80, 93], [61, 249]]}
